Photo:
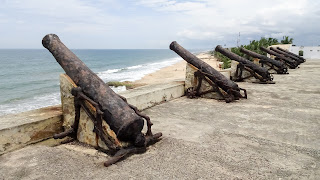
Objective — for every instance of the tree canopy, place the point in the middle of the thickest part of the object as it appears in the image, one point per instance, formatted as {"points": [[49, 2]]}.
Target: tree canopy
{"points": [[286, 40]]}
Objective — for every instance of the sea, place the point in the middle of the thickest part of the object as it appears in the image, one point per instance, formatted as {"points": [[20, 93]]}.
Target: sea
{"points": [[29, 78]]}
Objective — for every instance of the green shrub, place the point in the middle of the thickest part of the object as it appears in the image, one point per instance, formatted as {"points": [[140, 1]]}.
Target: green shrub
{"points": [[286, 40], [300, 53], [226, 61], [128, 85]]}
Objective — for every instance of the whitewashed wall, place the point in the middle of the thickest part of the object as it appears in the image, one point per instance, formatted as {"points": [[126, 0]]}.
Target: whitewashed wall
{"points": [[309, 52]]}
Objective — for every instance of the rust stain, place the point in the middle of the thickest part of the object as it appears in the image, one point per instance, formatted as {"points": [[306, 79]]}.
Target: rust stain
{"points": [[42, 135], [70, 80]]}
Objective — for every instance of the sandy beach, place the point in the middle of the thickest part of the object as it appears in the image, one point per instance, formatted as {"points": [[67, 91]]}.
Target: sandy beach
{"points": [[174, 72]]}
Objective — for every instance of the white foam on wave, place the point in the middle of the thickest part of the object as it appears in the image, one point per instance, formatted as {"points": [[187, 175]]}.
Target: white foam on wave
{"points": [[131, 73], [17, 106], [30, 104], [135, 67], [134, 73], [113, 70]]}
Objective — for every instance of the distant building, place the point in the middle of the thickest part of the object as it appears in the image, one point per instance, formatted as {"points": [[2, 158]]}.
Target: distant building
{"points": [[309, 52]]}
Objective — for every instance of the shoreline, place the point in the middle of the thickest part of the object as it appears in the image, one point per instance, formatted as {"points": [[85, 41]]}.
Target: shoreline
{"points": [[175, 72]]}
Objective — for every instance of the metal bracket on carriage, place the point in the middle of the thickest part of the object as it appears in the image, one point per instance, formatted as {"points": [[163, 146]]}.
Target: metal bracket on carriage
{"points": [[273, 66], [280, 57], [202, 79], [197, 84], [287, 55], [102, 118], [302, 60], [247, 70]]}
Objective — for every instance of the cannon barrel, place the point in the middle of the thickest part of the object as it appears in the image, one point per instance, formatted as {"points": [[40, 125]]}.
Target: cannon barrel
{"points": [[290, 63], [281, 68], [116, 112], [301, 58], [294, 58], [263, 72], [215, 76]]}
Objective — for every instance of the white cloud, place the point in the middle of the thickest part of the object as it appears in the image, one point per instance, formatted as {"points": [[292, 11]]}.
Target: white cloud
{"points": [[207, 19], [155, 23], [68, 11]]}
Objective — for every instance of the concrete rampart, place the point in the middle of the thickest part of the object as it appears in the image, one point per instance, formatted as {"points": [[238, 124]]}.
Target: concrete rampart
{"points": [[19, 130], [22, 129]]}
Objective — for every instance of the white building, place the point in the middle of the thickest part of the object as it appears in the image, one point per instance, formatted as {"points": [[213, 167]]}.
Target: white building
{"points": [[309, 52]]}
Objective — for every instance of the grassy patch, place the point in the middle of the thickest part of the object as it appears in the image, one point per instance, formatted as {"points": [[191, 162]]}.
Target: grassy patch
{"points": [[127, 84]]}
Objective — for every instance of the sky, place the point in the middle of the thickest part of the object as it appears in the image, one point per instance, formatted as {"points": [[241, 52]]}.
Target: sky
{"points": [[154, 24]]}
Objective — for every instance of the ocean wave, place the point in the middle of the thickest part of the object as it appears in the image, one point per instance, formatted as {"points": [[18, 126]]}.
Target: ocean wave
{"points": [[136, 72], [18, 105], [28, 104], [31, 102], [135, 67], [112, 70]]}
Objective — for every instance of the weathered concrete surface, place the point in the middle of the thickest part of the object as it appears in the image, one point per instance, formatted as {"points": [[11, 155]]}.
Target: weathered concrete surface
{"points": [[274, 134], [19, 130], [151, 95]]}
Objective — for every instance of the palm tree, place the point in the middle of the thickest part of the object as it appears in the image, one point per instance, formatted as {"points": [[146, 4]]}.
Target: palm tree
{"points": [[272, 41], [286, 40]]}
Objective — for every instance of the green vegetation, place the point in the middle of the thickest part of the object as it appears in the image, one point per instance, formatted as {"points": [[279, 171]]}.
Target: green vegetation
{"points": [[286, 40], [127, 84], [300, 53], [252, 46]]}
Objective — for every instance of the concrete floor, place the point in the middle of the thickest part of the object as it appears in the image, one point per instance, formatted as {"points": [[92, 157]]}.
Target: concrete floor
{"points": [[274, 134]]}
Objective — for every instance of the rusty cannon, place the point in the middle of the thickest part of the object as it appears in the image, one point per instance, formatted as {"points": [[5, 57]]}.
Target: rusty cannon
{"points": [[278, 66], [296, 59], [256, 71], [225, 87], [288, 52], [124, 119], [289, 62]]}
